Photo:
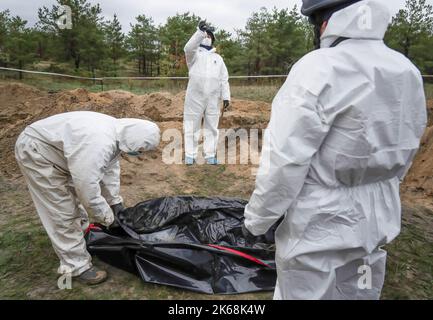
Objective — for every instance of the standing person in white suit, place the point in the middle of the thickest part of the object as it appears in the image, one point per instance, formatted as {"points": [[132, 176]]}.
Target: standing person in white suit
{"points": [[344, 130], [208, 86], [70, 162]]}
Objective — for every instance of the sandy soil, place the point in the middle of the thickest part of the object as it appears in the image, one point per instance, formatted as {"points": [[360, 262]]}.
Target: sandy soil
{"points": [[149, 177], [22, 105]]}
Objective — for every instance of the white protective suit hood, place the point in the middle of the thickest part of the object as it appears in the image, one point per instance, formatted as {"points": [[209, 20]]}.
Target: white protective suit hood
{"points": [[207, 42], [367, 19], [134, 134]]}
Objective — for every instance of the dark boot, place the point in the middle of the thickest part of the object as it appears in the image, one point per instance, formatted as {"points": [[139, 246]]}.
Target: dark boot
{"points": [[93, 276]]}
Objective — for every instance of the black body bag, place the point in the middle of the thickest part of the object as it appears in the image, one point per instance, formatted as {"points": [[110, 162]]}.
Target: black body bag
{"points": [[188, 242]]}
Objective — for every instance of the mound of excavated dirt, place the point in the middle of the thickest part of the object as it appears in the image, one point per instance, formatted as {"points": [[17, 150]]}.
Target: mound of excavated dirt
{"points": [[21, 105], [419, 181], [420, 177], [430, 112], [421, 174]]}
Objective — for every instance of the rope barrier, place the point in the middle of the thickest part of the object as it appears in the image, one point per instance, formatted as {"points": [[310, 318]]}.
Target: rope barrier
{"points": [[130, 78], [145, 78], [51, 74]]}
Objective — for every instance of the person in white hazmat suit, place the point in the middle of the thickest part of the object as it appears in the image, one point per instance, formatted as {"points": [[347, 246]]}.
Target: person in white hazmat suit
{"points": [[70, 162], [344, 130], [208, 85]]}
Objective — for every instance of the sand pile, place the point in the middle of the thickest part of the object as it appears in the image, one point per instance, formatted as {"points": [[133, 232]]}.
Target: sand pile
{"points": [[420, 177], [430, 112], [21, 105], [421, 173]]}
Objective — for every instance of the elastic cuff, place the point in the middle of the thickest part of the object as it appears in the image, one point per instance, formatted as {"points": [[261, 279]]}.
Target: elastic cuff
{"points": [[256, 230], [75, 272], [114, 201], [82, 270], [109, 219]]}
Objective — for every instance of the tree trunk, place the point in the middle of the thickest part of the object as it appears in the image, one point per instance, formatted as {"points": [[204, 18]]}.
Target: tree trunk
{"points": [[145, 65], [20, 66], [258, 60], [406, 47], [40, 49], [77, 62]]}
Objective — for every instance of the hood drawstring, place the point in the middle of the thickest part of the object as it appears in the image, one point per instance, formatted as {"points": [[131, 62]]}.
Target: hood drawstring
{"points": [[338, 41], [208, 48]]}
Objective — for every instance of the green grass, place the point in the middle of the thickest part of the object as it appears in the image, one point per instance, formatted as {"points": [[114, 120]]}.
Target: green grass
{"points": [[250, 92], [256, 93], [410, 258]]}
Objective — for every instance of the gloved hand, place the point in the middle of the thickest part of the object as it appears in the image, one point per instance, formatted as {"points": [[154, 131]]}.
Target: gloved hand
{"points": [[117, 208], [114, 225], [203, 26], [226, 105], [245, 232]]}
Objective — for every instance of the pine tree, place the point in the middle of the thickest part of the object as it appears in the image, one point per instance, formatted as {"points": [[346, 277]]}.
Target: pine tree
{"points": [[143, 43], [83, 42], [17, 42], [174, 36], [411, 32], [114, 39]]}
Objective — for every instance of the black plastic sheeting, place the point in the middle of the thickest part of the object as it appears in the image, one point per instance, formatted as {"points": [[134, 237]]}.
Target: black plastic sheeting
{"points": [[193, 243]]}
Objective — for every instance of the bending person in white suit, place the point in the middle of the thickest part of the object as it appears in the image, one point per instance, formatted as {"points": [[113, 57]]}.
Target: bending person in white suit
{"points": [[71, 165]]}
